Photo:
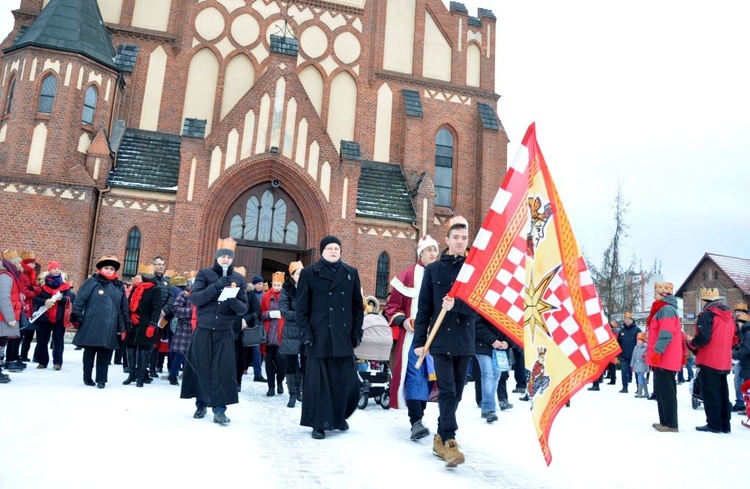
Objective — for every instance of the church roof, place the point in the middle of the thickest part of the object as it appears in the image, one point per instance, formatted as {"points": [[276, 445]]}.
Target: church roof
{"points": [[74, 26], [737, 269], [147, 160], [383, 194]]}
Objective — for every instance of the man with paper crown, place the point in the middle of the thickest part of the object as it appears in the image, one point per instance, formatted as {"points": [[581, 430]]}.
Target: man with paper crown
{"points": [[410, 387], [715, 335], [218, 294], [627, 339], [664, 354]]}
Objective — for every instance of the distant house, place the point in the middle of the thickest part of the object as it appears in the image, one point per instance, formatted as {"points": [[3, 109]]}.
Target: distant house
{"points": [[729, 274]]}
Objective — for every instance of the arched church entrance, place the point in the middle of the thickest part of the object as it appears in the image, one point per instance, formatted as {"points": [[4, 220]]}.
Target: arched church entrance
{"points": [[269, 229]]}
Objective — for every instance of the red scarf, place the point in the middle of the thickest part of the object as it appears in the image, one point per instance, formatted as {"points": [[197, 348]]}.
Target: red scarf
{"points": [[52, 311], [135, 300], [108, 277], [654, 309], [28, 267]]}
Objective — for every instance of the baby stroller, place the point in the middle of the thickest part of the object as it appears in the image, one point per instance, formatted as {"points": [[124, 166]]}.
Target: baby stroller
{"points": [[372, 358], [696, 397], [744, 388]]}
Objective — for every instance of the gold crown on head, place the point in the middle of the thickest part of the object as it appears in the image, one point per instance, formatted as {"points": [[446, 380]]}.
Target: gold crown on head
{"points": [[145, 269], [27, 255], [226, 244], [179, 281], [170, 274], [740, 306], [663, 288], [710, 294], [628, 315], [10, 254], [743, 316], [191, 274], [241, 271]]}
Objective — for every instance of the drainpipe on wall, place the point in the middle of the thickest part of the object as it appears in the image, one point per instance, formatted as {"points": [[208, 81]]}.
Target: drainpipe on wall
{"points": [[100, 193]]}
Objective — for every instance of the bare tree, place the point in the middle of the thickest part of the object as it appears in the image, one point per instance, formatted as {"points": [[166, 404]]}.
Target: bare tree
{"points": [[611, 278]]}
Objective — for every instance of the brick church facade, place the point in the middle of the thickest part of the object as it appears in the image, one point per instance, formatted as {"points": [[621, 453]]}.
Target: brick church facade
{"points": [[153, 127]]}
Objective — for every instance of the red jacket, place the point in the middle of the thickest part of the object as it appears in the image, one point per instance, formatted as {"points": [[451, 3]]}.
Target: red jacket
{"points": [[664, 348], [715, 335], [16, 299]]}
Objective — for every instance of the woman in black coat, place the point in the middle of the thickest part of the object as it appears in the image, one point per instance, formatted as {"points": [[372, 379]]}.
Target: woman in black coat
{"points": [[146, 300], [101, 307], [329, 314], [291, 340], [56, 294]]}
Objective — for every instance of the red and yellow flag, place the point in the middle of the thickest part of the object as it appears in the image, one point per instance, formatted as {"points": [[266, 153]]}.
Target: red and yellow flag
{"points": [[525, 274]]}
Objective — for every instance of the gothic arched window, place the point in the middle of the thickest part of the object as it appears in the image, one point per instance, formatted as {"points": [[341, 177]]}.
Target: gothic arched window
{"points": [[382, 275], [47, 95], [9, 98], [266, 214], [132, 252], [444, 168], [89, 106]]}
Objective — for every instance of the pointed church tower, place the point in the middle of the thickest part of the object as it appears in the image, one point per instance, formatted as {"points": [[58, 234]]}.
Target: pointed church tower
{"points": [[62, 81]]}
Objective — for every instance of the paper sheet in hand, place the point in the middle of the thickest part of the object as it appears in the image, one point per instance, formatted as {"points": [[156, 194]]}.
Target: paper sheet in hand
{"points": [[38, 313], [228, 293]]}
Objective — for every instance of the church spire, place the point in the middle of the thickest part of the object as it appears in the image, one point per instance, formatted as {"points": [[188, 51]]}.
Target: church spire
{"points": [[73, 26]]}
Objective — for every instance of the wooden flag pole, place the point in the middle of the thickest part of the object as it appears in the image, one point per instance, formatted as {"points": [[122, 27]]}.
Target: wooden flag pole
{"points": [[426, 346]]}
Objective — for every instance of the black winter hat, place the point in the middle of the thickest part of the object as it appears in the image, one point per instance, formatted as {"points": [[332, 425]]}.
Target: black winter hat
{"points": [[328, 240]]}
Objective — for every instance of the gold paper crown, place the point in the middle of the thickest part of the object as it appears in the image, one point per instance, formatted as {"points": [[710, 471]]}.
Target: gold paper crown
{"points": [[226, 244], [663, 288], [145, 269], [629, 315], [456, 220], [277, 277], [710, 294], [294, 266], [740, 306], [743, 316], [27, 255], [191, 274], [10, 254], [241, 271], [170, 274], [265, 286], [179, 281]]}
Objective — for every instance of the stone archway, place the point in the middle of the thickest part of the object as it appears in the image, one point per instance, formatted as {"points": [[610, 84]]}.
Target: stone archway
{"points": [[249, 174]]}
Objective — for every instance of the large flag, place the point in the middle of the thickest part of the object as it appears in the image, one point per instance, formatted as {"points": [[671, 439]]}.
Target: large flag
{"points": [[525, 274]]}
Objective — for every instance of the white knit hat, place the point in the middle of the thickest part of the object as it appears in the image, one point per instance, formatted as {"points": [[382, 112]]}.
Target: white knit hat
{"points": [[425, 242]]}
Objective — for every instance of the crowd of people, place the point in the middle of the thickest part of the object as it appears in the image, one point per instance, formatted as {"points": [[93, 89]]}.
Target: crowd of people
{"points": [[312, 319], [662, 352]]}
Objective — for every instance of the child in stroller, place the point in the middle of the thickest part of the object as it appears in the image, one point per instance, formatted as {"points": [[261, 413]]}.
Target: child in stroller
{"points": [[372, 355]]}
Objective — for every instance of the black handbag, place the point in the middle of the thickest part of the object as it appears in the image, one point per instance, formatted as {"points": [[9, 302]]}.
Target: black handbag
{"points": [[255, 335]]}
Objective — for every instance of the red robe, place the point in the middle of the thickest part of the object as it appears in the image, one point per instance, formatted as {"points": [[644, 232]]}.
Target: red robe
{"points": [[402, 303]]}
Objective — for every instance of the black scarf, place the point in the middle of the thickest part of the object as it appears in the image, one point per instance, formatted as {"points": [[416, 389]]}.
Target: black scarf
{"points": [[332, 266]]}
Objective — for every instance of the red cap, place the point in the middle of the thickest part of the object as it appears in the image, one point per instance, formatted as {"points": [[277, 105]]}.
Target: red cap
{"points": [[53, 264]]}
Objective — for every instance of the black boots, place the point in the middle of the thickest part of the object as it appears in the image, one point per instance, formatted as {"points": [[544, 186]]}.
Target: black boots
{"points": [[130, 354], [141, 369], [291, 384], [299, 386]]}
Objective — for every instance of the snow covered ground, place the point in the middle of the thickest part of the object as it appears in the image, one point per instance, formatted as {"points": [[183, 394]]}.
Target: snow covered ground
{"points": [[57, 432]]}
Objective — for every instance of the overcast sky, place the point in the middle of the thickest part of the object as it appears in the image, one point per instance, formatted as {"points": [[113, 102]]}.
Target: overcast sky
{"points": [[651, 94]]}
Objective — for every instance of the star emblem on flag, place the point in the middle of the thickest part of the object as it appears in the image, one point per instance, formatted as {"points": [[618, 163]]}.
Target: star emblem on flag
{"points": [[534, 304]]}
